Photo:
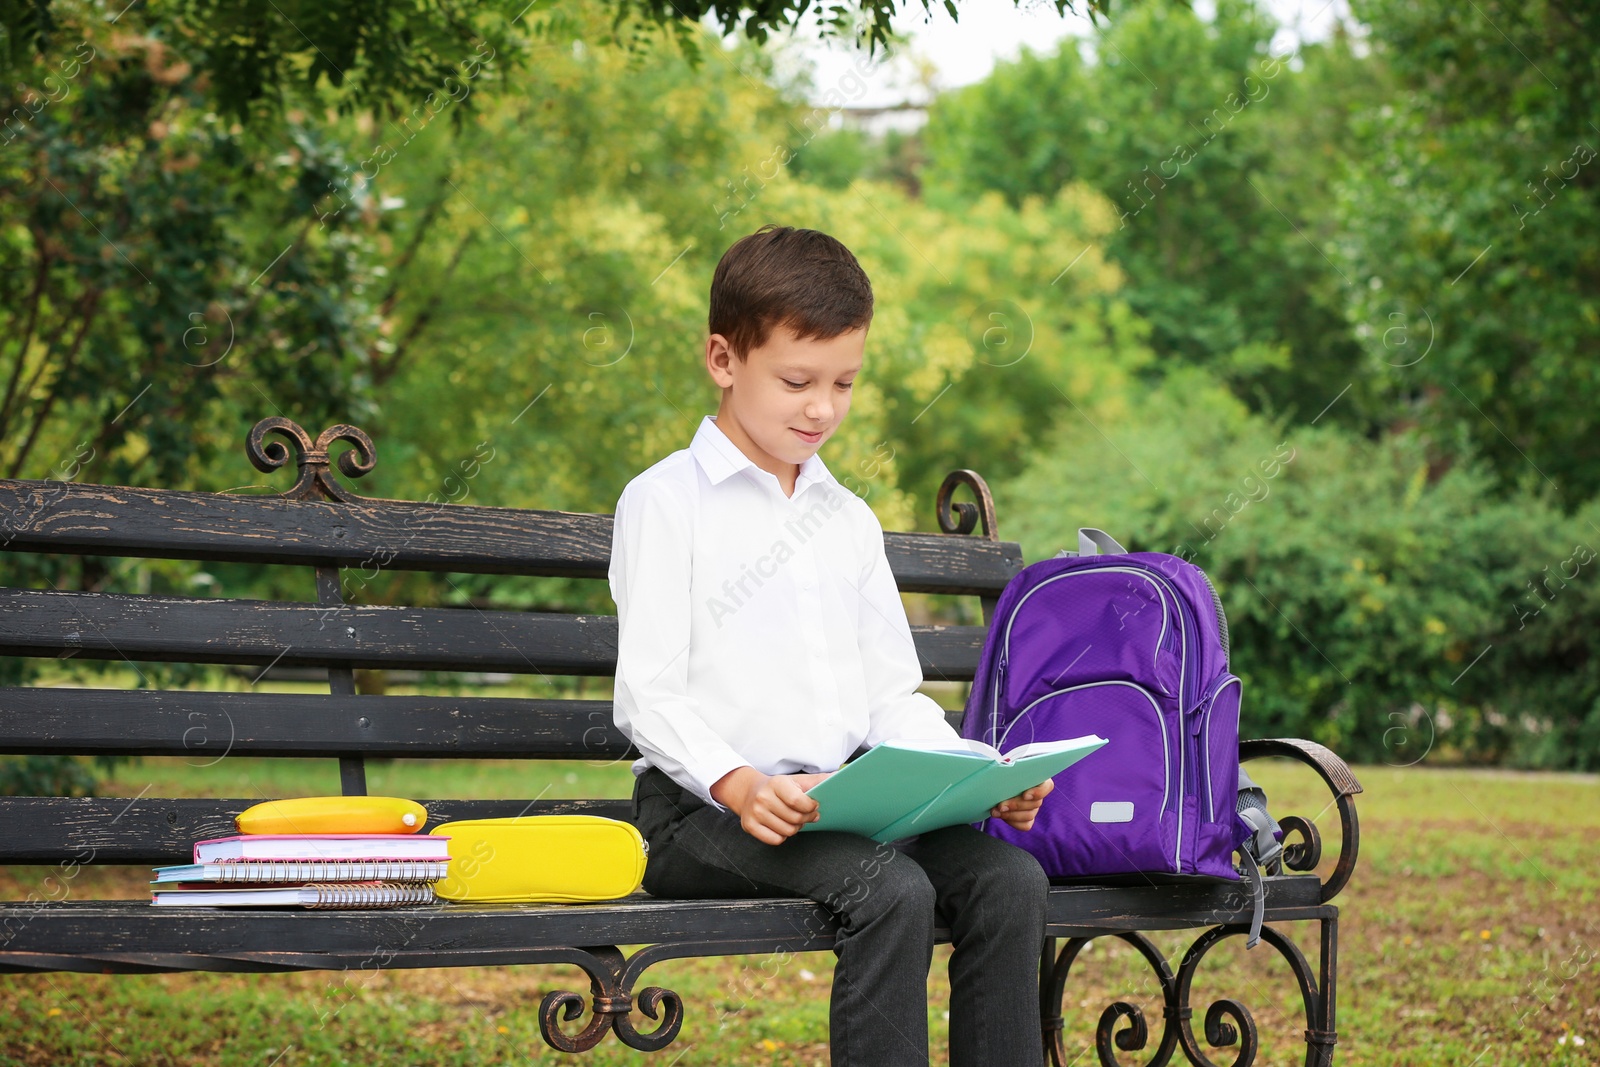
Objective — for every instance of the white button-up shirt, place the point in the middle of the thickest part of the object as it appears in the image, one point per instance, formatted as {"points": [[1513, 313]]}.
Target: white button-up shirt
{"points": [[756, 628]]}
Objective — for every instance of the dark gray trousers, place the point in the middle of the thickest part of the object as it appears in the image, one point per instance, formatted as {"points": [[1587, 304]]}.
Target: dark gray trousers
{"points": [[989, 893]]}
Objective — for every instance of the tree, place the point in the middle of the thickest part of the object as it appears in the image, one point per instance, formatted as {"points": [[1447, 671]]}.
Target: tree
{"points": [[1189, 127], [151, 268], [261, 58], [1467, 227], [591, 266], [162, 250]]}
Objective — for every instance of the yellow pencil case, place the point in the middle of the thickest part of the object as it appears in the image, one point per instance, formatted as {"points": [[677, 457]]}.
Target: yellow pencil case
{"points": [[544, 859]]}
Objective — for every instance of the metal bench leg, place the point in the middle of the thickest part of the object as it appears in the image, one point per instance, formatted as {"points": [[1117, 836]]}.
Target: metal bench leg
{"points": [[1320, 1041], [1050, 1021]]}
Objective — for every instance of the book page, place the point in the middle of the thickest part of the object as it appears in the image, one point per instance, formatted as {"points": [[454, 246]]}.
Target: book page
{"points": [[970, 799], [1041, 748], [956, 745]]}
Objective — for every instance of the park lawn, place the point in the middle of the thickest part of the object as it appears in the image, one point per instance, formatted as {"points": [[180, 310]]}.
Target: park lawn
{"points": [[1469, 936]]}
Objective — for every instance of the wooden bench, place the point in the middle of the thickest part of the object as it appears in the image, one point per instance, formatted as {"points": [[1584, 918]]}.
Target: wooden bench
{"points": [[321, 525]]}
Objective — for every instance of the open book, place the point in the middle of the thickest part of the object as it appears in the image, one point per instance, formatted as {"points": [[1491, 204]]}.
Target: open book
{"points": [[904, 787]]}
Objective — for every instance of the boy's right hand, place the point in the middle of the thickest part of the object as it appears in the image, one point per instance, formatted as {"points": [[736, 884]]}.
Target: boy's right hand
{"points": [[771, 807]]}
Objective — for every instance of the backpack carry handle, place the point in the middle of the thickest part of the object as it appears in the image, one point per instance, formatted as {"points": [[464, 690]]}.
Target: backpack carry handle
{"points": [[1097, 542]]}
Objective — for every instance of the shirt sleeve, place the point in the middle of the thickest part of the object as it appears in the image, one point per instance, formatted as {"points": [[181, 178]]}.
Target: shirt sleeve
{"points": [[651, 562], [889, 657]]}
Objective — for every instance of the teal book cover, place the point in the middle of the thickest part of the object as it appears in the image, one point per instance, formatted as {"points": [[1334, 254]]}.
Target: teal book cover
{"points": [[905, 787]]}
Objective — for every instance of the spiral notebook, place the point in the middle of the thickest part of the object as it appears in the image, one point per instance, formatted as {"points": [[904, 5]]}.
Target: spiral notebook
{"points": [[306, 871], [323, 847], [315, 895]]}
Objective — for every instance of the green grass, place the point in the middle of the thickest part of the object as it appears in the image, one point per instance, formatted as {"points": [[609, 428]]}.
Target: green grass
{"points": [[1470, 935]]}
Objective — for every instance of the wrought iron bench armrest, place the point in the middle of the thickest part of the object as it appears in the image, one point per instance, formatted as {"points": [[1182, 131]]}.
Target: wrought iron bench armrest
{"points": [[1304, 854]]}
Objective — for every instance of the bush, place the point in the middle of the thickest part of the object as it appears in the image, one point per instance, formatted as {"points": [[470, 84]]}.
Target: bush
{"points": [[50, 776], [1377, 604]]}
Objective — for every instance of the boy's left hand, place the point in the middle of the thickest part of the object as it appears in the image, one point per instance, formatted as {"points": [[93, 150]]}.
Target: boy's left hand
{"points": [[1019, 811]]}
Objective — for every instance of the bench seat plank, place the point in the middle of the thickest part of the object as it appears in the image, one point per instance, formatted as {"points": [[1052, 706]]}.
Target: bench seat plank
{"points": [[118, 933], [50, 516]]}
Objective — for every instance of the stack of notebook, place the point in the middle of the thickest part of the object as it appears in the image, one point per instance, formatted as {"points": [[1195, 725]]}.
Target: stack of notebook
{"points": [[308, 870]]}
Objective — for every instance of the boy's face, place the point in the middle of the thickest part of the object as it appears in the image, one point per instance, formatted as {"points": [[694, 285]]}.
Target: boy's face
{"points": [[787, 397]]}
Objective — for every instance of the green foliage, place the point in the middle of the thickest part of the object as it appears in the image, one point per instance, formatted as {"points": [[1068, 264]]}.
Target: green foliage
{"points": [[487, 300], [1468, 218], [1021, 131], [146, 279], [835, 158], [258, 60], [1217, 152], [566, 268], [51, 776], [1361, 585]]}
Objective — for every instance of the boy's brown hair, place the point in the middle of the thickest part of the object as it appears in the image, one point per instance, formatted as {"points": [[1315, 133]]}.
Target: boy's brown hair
{"points": [[782, 276]]}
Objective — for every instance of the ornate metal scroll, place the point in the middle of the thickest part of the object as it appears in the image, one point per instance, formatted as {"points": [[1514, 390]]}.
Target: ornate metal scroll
{"points": [[1107, 1039], [1242, 1028], [963, 518], [1304, 854], [611, 981], [316, 481], [1227, 1023], [612, 978]]}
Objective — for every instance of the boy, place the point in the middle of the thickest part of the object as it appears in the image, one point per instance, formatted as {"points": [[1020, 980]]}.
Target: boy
{"points": [[762, 640]]}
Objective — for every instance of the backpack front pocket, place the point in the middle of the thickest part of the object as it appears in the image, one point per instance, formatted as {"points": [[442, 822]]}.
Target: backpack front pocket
{"points": [[1215, 725], [1119, 812]]}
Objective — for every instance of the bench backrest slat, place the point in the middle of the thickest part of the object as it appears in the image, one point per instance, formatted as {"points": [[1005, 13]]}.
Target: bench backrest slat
{"points": [[48, 516], [215, 630], [200, 630], [204, 727]]}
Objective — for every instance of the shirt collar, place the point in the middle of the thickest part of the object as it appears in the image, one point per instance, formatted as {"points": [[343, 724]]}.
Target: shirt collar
{"points": [[720, 458]]}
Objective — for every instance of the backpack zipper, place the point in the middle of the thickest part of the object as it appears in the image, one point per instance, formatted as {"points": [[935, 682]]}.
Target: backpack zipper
{"points": [[999, 684], [1222, 620]]}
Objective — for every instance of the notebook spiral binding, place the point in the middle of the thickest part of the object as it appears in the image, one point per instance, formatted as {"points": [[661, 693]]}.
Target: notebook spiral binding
{"points": [[332, 870], [334, 895]]}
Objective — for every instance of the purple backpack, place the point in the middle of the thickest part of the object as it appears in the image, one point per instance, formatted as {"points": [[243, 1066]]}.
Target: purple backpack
{"points": [[1132, 646]]}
